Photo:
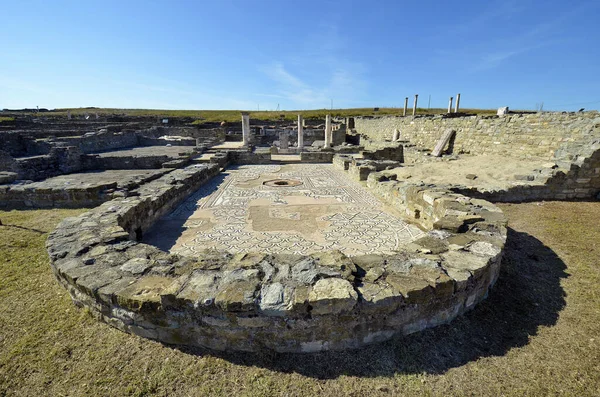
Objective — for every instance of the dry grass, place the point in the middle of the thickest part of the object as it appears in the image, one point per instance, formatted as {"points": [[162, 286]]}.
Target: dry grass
{"points": [[203, 116], [537, 334]]}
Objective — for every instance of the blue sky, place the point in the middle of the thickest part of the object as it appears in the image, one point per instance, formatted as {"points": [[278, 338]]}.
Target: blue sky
{"points": [[299, 55]]}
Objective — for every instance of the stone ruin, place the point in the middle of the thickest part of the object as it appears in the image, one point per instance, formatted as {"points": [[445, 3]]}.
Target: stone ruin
{"points": [[232, 247]]}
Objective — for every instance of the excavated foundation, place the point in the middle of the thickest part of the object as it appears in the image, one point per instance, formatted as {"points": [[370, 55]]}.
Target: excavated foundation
{"points": [[279, 299]]}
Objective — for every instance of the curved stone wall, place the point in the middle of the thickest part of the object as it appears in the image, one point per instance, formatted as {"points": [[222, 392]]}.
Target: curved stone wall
{"points": [[286, 303]]}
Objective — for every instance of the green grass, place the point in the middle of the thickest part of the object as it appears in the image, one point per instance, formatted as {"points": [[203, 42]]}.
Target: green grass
{"points": [[6, 119], [538, 333], [203, 116]]}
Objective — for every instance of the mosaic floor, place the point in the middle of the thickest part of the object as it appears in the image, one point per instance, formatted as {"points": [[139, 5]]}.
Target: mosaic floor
{"points": [[325, 210]]}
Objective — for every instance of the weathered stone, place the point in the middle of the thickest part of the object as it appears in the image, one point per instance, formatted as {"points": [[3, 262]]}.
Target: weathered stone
{"points": [[434, 245], [136, 266], [377, 298], [238, 296], [374, 274], [275, 299], [465, 261], [332, 296], [144, 294], [337, 261], [414, 290]]}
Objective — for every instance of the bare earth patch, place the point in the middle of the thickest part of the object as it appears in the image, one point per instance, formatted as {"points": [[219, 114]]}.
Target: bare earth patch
{"points": [[536, 334], [491, 171]]}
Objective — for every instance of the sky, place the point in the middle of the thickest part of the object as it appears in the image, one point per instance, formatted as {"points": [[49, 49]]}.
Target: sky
{"points": [[288, 55]]}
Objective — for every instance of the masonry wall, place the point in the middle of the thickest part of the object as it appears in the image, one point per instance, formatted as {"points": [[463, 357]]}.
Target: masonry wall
{"points": [[102, 141], [538, 135]]}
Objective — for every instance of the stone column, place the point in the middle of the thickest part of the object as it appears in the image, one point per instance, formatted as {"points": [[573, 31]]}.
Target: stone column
{"points": [[456, 105], [415, 104], [450, 105], [284, 140], [300, 133], [328, 134], [396, 135], [246, 128], [405, 106]]}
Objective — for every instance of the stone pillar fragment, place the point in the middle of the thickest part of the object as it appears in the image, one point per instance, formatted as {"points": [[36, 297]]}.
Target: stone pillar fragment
{"points": [[300, 132], [284, 139], [456, 106], [405, 106], [246, 129], [450, 105], [328, 133], [396, 135], [415, 104]]}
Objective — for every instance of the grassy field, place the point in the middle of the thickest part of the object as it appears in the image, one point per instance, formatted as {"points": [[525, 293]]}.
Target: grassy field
{"points": [[234, 115], [538, 333]]}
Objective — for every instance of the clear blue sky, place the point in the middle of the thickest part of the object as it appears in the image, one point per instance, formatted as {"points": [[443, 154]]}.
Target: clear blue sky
{"points": [[299, 54]]}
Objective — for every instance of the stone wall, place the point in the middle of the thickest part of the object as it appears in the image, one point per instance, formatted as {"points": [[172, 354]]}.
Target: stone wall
{"points": [[60, 160], [106, 162], [101, 141], [14, 143], [286, 303], [539, 135], [325, 156]]}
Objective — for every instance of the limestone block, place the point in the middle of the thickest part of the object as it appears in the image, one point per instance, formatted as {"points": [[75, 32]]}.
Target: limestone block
{"points": [[332, 296], [239, 296]]}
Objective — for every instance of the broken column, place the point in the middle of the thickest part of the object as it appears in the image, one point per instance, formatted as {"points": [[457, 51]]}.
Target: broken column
{"points": [[456, 106], [284, 139], [415, 104], [396, 135], [246, 128], [300, 133], [450, 105], [328, 133], [405, 106]]}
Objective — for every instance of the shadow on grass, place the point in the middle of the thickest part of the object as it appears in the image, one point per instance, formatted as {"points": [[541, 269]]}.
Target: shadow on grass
{"points": [[526, 296], [23, 228]]}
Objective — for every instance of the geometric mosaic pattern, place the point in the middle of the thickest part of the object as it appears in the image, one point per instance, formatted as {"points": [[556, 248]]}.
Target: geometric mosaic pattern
{"points": [[328, 210]]}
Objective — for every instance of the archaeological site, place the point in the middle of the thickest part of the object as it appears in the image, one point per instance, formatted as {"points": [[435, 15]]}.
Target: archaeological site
{"points": [[288, 236]]}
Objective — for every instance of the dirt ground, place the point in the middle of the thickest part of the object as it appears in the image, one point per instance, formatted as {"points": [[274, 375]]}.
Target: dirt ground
{"points": [[536, 334], [492, 171]]}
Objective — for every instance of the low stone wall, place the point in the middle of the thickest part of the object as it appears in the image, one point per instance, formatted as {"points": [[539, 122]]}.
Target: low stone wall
{"points": [[56, 194], [286, 303], [361, 169], [117, 162], [21, 196], [151, 141], [317, 157], [539, 135], [393, 151], [60, 160], [101, 141], [251, 157]]}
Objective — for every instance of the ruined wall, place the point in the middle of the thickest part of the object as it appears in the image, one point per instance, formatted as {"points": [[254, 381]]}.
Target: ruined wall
{"points": [[537, 135], [285, 303], [101, 141], [13, 143]]}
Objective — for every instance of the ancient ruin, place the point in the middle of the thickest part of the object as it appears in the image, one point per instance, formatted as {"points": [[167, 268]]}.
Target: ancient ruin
{"points": [[292, 237]]}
